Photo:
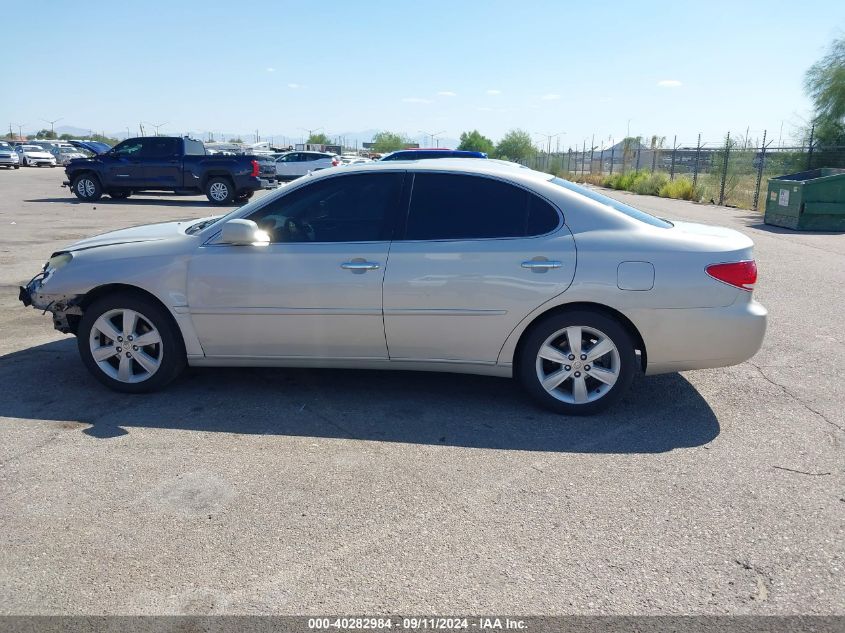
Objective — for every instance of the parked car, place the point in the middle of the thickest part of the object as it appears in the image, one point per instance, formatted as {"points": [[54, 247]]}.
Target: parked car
{"points": [[8, 156], [165, 163], [352, 159], [434, 152], [64, 154], [295, 164], [493, 270], [34, 156]]}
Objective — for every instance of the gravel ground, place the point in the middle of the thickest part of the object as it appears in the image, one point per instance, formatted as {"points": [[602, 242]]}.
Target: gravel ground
{"points": [[305, 491]]}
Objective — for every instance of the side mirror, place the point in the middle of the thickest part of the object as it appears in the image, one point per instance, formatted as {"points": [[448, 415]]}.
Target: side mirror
{"points": [[243, 232]]}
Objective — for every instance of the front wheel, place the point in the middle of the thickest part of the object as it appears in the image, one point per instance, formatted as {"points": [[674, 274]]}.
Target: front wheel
{"points": [[578, 362], [86, 187], [220, 191], [17, 166], [130, 343]]}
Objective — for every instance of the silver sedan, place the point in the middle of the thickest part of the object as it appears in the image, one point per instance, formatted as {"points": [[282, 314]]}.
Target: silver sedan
{"points": [[443, 265]]}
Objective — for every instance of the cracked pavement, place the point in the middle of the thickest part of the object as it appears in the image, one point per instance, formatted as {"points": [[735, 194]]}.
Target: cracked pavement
{"points": [[304, 491]]}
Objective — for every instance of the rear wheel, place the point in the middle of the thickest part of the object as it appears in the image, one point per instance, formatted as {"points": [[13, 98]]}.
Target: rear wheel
{"points": [[578, 362], [130, 343], [220, 191], [87, 187]]}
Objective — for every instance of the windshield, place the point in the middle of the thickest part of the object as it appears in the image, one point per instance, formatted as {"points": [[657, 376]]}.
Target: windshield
{"points": [[631, 212], [33, 148]]}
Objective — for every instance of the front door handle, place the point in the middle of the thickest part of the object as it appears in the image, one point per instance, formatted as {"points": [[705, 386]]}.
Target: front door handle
{"points": [[541, 264], [359, 266]]}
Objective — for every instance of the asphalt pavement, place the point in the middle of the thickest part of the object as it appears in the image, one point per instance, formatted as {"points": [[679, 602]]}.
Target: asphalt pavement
{"points": [[297, 491]]}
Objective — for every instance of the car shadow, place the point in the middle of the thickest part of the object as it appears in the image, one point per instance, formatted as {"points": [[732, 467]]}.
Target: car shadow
{"points": [[137, 201], [48, 384]]}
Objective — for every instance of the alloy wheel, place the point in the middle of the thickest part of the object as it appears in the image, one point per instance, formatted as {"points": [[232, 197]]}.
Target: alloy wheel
{"points": [[219, 191], [126, 345], [578, 364], [86, 187]]}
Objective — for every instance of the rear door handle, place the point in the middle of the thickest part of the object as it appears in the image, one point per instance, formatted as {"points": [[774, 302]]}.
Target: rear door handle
{"points": [[539, 265], [359, 266]]}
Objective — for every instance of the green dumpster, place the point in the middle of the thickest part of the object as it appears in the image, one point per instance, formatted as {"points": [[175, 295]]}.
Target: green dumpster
{"points": [[810, 200]]}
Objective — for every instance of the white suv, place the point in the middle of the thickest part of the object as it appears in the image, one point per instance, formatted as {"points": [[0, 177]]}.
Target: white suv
{"points": [[295, 164]]}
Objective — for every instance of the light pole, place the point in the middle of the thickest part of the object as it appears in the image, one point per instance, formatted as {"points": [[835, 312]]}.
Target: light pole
{"points": [[158, 125], [549, 138], [311, 132], [432, 135], [20, 131], [52, 123]]}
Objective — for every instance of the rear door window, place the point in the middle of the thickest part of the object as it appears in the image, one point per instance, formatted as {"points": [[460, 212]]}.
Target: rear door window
{"points": [[466, 207]]}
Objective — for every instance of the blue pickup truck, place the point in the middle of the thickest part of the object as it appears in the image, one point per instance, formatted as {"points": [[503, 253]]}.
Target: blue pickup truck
{"points": [[167, 163]]}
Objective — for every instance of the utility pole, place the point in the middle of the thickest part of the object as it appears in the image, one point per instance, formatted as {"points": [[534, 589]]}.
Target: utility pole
{"points": [[20, 131]]}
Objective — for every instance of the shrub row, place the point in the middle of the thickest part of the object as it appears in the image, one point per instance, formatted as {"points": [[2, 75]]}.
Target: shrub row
{"points": [[646, 183]]}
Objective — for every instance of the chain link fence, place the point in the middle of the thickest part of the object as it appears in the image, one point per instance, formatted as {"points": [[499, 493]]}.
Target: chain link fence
{"points": [[732, 172]]}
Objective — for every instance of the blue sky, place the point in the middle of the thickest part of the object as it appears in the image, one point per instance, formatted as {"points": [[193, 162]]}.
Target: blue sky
{"points": [[544, 66]]}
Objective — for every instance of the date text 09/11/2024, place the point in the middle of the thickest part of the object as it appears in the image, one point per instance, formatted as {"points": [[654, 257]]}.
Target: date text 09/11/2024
{"points": [[416, 623]]}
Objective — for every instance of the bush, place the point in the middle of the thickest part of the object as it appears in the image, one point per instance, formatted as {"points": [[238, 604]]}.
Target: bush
{"points": [[649, 184], [680, 189]]}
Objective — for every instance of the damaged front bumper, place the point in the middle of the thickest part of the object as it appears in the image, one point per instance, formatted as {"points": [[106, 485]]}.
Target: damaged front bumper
{"points": [[65, 308]]}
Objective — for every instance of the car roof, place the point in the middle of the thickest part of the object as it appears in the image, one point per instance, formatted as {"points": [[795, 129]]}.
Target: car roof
{"points": [[455, 165]]}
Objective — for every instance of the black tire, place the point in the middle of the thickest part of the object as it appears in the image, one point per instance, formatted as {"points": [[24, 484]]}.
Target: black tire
{"points": [[119, 195], [591, 322], [169, 353], [87, 187], [243, 196], [17, 166], [220, 190]]}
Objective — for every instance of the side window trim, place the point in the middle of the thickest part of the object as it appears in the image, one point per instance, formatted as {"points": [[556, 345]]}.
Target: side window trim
{"points": [[401, 233]]}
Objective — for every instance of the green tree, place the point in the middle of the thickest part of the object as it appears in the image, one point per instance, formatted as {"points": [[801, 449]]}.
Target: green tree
{"points": [[516, 145], [476, 142], [388, 142], [319, 139], [236, 140], [825, 85], [66, 137], [45, 134]]}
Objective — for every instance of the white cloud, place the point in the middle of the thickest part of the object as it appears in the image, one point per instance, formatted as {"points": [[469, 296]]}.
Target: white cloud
{"points": [[447, 93], [493, 91], [294, 86], [271, 70], [416, 100], [669, 83], [550, 97]]}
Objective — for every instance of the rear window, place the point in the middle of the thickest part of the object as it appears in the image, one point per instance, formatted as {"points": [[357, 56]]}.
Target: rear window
{"points": [[194, 147], [631, 212]]}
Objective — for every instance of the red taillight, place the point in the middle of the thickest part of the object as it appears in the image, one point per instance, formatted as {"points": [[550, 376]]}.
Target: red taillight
{"points": [[335, 162], [254, 168], [741, 275]]}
